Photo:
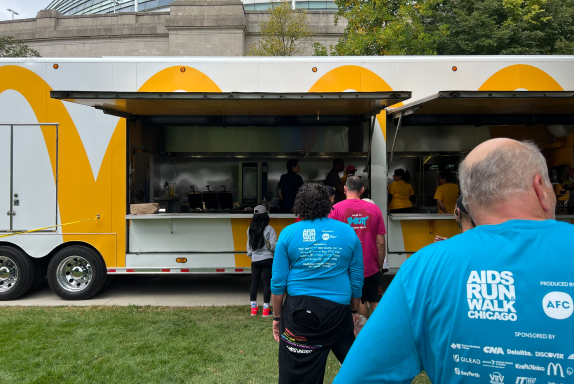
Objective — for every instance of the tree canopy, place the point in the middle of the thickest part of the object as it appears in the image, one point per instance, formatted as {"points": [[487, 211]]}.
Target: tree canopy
{"points": [[285, 33], [10, 47], [455, 27]]}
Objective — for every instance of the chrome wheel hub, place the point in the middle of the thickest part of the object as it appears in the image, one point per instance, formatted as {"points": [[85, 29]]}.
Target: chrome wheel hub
{"points": [[8, 274], [74, 273]]}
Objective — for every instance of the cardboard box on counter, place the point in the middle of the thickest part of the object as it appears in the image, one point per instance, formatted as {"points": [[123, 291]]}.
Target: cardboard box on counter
{"points": [[144, 209]]}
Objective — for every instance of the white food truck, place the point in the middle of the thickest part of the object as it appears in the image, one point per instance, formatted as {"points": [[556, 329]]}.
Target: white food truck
{"points": [[83, 140]]}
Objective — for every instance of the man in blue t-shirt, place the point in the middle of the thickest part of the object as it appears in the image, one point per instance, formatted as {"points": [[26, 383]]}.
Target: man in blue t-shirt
{"points": [[492, 305], [318, 264]]}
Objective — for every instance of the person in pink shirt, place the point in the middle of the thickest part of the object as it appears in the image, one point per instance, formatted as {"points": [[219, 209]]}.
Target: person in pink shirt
{"points": [[367, 221]]}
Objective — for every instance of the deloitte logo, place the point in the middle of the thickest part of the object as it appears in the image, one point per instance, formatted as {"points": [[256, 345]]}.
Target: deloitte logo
{"points": [[558, 305]]}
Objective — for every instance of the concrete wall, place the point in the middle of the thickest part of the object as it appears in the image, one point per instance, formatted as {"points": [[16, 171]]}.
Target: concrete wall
{"points": [[191, 28]]}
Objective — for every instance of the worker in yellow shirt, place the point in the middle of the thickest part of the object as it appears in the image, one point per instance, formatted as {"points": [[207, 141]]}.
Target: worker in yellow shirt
{"points": [[447, 193], [401, 193]]}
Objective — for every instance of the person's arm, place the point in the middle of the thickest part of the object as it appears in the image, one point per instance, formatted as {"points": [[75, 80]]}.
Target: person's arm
{"points": [[356, 270], [381, 250], [277, 310], [441, 206], [340, 187], [248, 248], [384, 351], [280, 194], [279, 273], [272, 239]]}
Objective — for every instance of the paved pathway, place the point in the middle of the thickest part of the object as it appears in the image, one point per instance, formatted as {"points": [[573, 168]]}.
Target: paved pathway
{"points": [[172, 291]]}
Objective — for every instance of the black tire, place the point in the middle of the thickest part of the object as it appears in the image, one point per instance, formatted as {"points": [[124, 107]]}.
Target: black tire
{"points": [[109, 281], [40, 271], [16, 273], [76, 273]]}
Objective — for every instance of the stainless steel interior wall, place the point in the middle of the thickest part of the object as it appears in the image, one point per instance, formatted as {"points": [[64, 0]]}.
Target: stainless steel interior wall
{"points": [[257, 139], [216, 173], [437, 139]]}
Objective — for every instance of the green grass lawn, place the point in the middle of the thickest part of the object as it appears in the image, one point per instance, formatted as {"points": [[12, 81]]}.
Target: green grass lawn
{"points": [[139, 345]]}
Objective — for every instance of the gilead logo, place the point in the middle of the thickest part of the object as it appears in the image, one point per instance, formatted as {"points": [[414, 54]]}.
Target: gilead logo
{"points": [[558, 305], [491, 295]]}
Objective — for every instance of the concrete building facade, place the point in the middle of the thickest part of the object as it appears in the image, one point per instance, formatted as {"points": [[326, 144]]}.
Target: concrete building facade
{"points": [[190, 28]]}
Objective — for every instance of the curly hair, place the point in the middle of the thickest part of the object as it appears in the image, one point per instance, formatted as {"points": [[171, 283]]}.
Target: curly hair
{"points": [[312, 202]]}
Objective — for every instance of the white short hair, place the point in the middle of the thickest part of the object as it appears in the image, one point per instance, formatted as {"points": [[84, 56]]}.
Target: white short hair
{"points": [[505, 172]]}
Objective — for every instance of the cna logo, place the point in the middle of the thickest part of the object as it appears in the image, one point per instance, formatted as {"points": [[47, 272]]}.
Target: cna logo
{"points": [[308, 235], [456, 358], [491, 295], [496, 378], [555, 369], [525, 380], [493, 350], [558, 305]]}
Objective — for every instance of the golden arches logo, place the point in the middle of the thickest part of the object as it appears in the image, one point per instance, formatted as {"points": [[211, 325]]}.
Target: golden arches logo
{"points": [[520, 77], [354, 77]]}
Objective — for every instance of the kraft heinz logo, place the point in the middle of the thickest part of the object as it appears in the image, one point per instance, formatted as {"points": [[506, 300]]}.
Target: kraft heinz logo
{"points": [[491, 295]]}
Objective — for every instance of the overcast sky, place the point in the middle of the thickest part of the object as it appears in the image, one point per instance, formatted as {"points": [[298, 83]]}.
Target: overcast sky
{"points": [[26, 8]]}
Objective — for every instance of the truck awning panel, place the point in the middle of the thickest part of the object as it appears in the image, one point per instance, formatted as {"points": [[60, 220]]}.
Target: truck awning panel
{"points": [[488, 108], [129, 104]]}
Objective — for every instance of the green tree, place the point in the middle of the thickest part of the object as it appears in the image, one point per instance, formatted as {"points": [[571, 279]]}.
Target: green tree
{"points": [[10, 47], [456, 27], [286, 33]]}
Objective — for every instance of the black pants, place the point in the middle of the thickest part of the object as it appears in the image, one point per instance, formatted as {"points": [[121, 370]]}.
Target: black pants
{"points": [[311, 327], [259, 268]]}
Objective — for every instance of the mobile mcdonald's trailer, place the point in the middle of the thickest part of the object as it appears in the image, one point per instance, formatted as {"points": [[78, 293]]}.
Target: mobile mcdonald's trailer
{"points": [[82, 140]]}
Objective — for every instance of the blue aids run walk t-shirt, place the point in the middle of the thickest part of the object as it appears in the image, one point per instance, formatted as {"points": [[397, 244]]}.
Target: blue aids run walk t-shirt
{"points": [[492, 305], [321, 258]]}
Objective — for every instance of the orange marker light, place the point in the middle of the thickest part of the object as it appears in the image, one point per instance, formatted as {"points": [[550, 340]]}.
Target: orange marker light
{"points": [[56, 66], [454, 69], [181, 260], [182, 69], [314, 69]]}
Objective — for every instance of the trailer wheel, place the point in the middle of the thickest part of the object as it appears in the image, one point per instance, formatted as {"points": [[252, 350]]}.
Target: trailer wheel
{"points": [[76, 273], [16, 273]]}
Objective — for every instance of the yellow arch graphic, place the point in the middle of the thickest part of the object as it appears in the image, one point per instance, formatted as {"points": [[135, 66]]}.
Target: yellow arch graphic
{"points": [[79, 195], [520, 76], [354, 77]]}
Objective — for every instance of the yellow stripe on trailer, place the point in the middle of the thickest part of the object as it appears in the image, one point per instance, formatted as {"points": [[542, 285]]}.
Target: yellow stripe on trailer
{"points": [[52, 226]]}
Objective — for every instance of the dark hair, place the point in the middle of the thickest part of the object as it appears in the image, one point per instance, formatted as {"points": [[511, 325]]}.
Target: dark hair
{"points": [[312, 202], [354, 183], [338, 160], [292, 163], [330, 190], [257, 230], [404, 175], [446, 175]]}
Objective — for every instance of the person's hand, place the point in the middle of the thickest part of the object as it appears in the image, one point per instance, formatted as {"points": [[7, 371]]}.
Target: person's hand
{"points": [[439, 238], [268, 244], [276, 330], [358, 323]]}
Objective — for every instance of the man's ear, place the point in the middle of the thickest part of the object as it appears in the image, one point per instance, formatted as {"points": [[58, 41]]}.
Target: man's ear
{"points": [[542, 194], [362, 190], [345, 188]]}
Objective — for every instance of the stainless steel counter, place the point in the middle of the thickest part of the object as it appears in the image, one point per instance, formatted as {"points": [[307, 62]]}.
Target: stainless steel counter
{"points": [[179, 216]]}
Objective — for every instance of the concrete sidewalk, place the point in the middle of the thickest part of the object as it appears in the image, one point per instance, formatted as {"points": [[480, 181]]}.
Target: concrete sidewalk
{"points": [[161, 290]]}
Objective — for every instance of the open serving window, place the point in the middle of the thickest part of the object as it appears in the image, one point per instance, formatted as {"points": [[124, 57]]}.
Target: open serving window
{"points": [[433, 135], [223, 152]]}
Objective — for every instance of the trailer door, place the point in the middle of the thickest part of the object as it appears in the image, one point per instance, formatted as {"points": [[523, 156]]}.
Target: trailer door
{"points": [[4, 178], [33, 178]]}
